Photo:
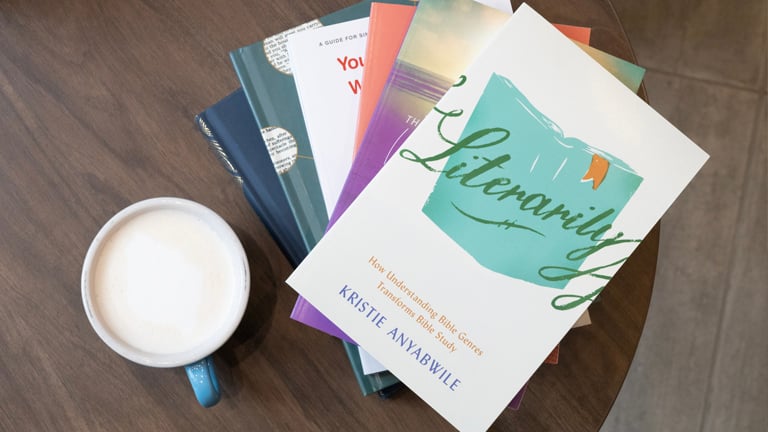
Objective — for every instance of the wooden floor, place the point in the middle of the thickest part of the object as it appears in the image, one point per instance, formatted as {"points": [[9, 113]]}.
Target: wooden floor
{"points": [[702, 363]]}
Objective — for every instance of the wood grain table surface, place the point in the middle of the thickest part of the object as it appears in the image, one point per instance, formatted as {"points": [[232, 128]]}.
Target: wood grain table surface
{"points": [[97, 100]]}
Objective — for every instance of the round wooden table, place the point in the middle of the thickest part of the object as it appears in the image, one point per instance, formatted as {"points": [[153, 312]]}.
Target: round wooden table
{"points": [[97, 100]]}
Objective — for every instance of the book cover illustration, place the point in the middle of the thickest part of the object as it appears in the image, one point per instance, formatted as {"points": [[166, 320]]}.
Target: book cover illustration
{"points": [[553, 217], [327, 65], [389, 24], [462, 333]]}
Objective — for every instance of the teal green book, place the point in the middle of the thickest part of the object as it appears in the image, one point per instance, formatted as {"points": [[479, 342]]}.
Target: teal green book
{"points": [[264, 71]]}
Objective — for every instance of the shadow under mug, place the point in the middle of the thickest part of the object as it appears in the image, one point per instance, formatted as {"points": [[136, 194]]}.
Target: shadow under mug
{"points": [[197, 359]]}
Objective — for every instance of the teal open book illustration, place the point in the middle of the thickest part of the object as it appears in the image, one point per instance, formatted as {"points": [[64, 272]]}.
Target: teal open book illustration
{"points": [[519, 196]]}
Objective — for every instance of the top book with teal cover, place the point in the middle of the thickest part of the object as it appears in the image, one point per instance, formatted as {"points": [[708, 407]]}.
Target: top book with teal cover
{"points": [[264, 71]]}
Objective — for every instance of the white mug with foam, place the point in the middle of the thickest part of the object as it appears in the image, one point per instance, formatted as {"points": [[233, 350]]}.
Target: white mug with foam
{"points": [[165, 283]]}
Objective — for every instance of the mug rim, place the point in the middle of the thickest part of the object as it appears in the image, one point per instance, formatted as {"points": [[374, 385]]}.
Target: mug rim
{"points": [[207, 346]]}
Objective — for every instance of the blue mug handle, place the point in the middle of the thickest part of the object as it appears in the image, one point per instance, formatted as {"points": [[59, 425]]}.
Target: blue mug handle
{"points": [[202, 376]]}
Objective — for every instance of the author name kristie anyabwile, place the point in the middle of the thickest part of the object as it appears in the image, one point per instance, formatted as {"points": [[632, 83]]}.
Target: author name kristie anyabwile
{"points": [[419, 354]]}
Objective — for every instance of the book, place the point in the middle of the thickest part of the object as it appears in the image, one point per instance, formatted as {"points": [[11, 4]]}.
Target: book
{"points": [[327, 65], [580, 35], [370, 364], [388, 26], [518, 399], [386, 30], [510, 207], [232, 133], [305, 313], [630, 74], [389, 112]]}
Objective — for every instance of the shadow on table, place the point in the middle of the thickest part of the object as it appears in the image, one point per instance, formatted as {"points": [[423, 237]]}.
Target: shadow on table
{"points": [[256, 321]]}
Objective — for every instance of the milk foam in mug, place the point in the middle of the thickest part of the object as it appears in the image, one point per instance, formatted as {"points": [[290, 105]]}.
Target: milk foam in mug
{"points": [[165, 283]]}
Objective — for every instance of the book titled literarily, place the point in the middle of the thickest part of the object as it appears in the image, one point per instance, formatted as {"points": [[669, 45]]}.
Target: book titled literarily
{"points": [[498, 221]]}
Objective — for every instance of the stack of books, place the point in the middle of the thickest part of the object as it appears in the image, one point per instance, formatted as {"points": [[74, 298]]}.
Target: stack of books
{"points": [[454, 183]]}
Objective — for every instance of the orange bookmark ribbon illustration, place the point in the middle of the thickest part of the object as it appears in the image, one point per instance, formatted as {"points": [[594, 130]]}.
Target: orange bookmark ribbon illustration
{"points": [[598, 168]]}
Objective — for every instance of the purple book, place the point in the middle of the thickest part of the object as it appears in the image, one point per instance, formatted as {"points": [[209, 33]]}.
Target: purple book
{"points": [[518, 399], [307, 314]]}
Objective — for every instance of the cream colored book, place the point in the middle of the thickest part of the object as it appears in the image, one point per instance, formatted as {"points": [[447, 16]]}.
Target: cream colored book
{"points": [[486, 236]]}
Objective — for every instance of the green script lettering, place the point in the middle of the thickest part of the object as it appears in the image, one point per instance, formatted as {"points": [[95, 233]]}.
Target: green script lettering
{"points": [[481, 177]]}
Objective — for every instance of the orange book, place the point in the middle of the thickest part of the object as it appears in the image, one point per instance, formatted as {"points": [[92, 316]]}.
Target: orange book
{"points": [[575, 33], [386, 31]]}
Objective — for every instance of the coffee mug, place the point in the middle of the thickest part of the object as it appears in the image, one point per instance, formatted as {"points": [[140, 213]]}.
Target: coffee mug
{"points": [[165, 282]]}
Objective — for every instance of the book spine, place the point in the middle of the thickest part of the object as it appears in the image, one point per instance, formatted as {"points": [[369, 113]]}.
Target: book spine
{"points": [[213, 144]]}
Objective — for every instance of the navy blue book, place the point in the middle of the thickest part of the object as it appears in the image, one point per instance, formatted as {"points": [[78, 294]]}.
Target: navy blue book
{"points": [[236, 140], [234, 136]]}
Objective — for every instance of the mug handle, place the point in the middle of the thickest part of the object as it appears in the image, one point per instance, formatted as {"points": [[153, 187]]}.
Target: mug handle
{"points": [[202, 376]]}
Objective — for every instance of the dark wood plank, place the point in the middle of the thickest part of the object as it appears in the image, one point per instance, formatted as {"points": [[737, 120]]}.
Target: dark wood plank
{"points": [[96, 106]]}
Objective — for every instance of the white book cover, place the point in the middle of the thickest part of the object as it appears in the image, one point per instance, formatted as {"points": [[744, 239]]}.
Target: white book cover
{"points": [[501, 217], [370, 365], [327, 64]]}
